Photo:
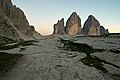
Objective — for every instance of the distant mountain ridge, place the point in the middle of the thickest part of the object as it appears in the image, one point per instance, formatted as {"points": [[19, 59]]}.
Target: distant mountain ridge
{"points": [[13, 22], [91, 26]]}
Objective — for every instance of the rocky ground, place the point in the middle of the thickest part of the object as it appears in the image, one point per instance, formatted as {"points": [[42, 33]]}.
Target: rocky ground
{"points": [[47, 60]]}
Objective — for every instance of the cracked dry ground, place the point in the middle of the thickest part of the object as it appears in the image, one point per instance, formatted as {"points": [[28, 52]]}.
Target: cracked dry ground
{"points": [[47, 62]]}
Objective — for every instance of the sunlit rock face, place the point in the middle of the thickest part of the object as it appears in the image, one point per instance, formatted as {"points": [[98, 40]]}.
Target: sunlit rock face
{"points": [[59, 27], [13, 22], [91, 26], [73, 24], [94, 31]]}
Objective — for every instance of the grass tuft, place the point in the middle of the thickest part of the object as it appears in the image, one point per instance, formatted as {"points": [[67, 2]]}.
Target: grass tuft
{"points": [[94, 62], [7, 61], [21, 43], [80, 47], [83, 47]]}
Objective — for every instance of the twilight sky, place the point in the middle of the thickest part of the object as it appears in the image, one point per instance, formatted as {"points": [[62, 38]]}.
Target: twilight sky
{"points": [[43, 14]]}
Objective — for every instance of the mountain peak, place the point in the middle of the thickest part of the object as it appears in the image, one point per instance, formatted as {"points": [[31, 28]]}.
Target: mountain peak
{"points": [[73, 24], [59, 27], [74, 13]]}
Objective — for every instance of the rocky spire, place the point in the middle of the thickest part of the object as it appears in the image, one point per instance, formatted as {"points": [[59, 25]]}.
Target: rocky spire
{"points": [[59, 27], [73, 24], [91, 26]]}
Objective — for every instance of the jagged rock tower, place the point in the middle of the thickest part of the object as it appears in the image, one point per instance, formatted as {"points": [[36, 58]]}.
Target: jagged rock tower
{"points": [[73, 25], [59, 27], [92, 27], [13, 22]]}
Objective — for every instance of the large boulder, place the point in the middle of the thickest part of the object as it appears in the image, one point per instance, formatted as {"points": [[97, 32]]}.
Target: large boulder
{"points": [[13, 22], [59, 27], [73, 25], [91, 26]]}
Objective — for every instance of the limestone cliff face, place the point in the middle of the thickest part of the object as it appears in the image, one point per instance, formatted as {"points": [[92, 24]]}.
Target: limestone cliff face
{"points": [[73, 24], [13, 22], [59, 27], [91, 26], [94, 31]]}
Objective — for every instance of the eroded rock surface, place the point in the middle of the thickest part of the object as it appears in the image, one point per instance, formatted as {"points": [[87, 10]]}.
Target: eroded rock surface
{"points": [[48, 61], [59, 27], [91, 26], [13, 22], [73, 24]]}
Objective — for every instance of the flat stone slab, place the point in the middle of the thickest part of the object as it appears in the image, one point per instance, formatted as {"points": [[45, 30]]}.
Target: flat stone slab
{"points": [[48, 62]]}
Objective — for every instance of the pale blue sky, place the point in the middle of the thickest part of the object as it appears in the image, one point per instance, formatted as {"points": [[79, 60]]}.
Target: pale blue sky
{"points": [[43, 14]]}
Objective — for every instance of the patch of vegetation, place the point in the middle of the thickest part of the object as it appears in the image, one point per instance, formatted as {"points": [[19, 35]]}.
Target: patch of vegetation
{"points": [[89, 60], [20, 43], [80, 47], [27, 43], [94, 62], [7, 61], [116, 76], [22, 49], [115, 51], [4, 40], [99, 50]]}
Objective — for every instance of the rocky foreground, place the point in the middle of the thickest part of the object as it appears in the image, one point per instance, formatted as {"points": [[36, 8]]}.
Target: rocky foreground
{"points": [[49, 59]]}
